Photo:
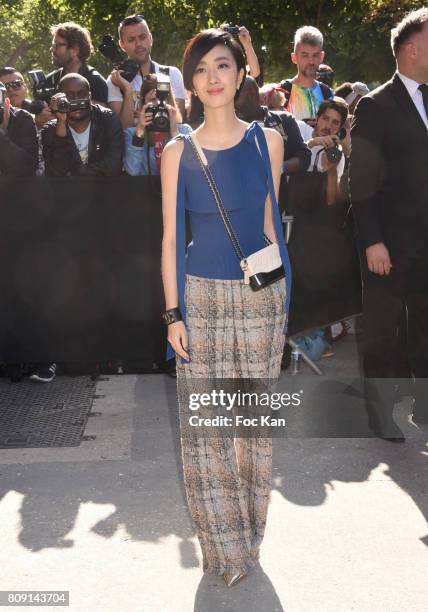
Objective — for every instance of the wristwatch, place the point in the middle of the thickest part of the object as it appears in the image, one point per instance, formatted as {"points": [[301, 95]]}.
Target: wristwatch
{"points": [[172, 316]]}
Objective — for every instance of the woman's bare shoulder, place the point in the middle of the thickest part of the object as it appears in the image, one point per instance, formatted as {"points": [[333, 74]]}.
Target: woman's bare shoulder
{"points": [[173, 150], [275, 143]]}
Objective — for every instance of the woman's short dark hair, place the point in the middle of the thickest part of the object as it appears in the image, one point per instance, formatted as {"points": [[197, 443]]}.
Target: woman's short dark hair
{"points": [[336, 104], [201, 44]]}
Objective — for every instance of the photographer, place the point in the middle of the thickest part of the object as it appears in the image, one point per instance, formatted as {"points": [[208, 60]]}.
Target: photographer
{"points": [[71, 48], [17, 91], [18, 94], [84, 139], [145, 142], [18, 139], [296, 153], [324, 142], [136, 40]]}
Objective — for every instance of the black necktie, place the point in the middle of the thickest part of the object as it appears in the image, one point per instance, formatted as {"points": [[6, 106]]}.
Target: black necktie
{"points": [[424, 91]]}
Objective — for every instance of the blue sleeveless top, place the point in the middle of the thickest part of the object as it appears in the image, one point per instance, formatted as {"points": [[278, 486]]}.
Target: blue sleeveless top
{"points": [[244, 178], [240, 177]]}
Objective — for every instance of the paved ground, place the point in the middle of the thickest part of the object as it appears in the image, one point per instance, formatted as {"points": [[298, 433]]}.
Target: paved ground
{"points": [[108, 522]]}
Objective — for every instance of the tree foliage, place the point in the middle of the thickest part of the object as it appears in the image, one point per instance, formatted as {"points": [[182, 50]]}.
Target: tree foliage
{"points": [[356, 31]]}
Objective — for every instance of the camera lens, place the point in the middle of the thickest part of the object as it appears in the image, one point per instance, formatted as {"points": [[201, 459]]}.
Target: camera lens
{"points": [[162, 121]]}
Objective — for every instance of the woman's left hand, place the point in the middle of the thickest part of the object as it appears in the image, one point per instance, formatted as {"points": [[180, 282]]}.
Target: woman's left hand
{"points": [[172, 112]]}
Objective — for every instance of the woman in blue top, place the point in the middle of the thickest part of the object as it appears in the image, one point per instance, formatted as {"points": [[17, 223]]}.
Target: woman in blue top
{"points": [[141, 157], [224, 334]]}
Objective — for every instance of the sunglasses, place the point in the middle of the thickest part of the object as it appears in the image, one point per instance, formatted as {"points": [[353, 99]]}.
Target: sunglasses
{"points": [[14, 84], [55, 45]]}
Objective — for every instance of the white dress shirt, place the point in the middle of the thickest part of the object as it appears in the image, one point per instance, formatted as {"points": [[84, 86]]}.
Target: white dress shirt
{"points": [[416, 95]]}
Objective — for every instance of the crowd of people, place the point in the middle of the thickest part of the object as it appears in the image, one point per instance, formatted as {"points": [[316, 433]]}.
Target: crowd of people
{"points": [[82, 123], [79, 123]]}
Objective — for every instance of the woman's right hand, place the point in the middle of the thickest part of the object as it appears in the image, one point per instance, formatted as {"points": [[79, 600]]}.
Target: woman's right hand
{"points": [[177, 337], [144, 119]]}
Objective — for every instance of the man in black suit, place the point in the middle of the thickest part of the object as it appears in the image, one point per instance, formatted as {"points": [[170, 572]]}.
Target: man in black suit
{"points": [[389, 193]]}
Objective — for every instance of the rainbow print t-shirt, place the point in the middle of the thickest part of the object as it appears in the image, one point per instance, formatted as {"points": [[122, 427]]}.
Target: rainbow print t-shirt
{"points": [[304, 101]]}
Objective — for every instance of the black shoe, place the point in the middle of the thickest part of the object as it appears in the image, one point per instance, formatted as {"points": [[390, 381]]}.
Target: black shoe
{"points": [[45, 373]]}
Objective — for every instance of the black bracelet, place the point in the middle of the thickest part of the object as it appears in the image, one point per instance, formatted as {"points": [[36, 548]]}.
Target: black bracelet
{"points": [[138, 141], [172, 316]]}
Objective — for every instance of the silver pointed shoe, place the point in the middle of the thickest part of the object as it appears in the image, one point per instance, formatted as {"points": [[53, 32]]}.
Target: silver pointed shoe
{"points": [[231, 578]]}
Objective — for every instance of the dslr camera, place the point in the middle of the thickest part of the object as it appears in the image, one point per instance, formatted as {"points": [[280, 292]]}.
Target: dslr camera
{"points": [[160, 117], [42, 92], [234, 30], [3, 96], [334, 154], [111, 51]]}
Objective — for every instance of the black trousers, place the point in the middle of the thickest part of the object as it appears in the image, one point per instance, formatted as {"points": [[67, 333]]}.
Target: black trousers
{"points": [[395, 333]]}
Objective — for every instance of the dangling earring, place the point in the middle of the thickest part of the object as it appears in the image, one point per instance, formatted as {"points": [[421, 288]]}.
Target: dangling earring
{"points": [[194, 93]]}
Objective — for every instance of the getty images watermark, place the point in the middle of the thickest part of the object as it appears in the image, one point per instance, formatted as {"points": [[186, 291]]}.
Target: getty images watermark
{"points": [[243, 406]]}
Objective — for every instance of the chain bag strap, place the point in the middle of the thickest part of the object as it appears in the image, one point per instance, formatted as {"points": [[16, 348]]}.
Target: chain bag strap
{"points": [[261, 268]]}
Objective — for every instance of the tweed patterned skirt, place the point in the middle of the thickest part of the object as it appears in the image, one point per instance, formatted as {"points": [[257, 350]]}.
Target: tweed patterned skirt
{"points": [[233, 333]]}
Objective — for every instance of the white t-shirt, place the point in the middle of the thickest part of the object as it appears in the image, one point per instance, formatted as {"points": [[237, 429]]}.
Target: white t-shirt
{"points": [[307, 132], [177, 86], [81, 140]]}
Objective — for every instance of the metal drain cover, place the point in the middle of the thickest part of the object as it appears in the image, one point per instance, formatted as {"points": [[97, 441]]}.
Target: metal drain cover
{"points": [[36, 415]]}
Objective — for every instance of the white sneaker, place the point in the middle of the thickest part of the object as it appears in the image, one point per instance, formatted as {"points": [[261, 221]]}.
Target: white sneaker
{"points": [[45, 373]]}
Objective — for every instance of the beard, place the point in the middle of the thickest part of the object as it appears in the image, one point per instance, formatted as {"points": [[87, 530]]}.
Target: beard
{"points": [[58, 63], [309, 72]]}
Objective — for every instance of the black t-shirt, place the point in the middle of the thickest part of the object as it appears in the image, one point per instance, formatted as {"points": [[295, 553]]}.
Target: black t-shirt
{"points": [[97, 82]]}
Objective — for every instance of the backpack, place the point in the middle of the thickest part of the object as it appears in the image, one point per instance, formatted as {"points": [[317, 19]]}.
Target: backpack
{"points": [[288, 84]]}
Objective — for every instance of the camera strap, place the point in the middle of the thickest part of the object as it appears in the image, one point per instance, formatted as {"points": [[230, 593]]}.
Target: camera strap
{"points": [[316, 160]]}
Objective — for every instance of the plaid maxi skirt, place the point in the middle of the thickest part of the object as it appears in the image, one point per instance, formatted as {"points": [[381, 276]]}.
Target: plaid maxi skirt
{"points": [[233, 333]]}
